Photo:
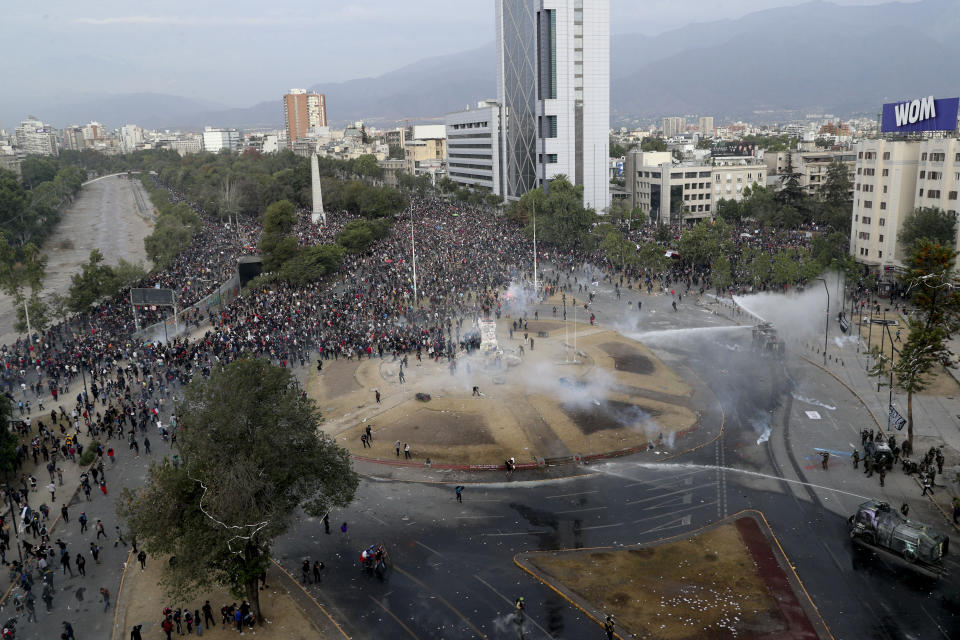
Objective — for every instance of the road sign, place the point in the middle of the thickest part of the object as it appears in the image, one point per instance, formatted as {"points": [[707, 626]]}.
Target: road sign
{"points": [[896, 419]]}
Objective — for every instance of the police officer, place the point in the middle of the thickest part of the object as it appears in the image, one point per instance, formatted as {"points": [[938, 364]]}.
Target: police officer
{"points": [[856, 458], [608, 626], [868, 466], [825, 455]]}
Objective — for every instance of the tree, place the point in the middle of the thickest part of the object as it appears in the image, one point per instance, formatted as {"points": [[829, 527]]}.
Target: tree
{"points": [[791, 193], [651, 143], [8, 439], [21, 269], [39, 315], [618, 150], [704, 143], [720, 274], [705, 242], [59, 306], [930, 223], [562, 219], [366, 166], [935, 293], [276, 245], [94, 282], [251, 454], [311, 264], [730, 210], [396, 152], [37, 169]]}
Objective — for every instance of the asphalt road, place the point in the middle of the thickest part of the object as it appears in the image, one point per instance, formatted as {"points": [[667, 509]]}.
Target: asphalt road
{"points": [[454, 575]]}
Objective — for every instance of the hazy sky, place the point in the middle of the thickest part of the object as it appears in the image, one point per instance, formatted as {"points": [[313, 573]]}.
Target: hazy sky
{"points": [[240, 52]]}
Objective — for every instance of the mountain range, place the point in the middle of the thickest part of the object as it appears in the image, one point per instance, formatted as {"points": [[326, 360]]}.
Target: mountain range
{"points": [[813, 57]]}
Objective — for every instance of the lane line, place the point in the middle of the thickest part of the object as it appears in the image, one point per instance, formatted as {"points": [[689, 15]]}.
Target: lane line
{"points": [[580, 510], [667, 495], [477, 517], [569, 495], [601, 526], [673, 524], [658, 482], [428, 548], [516, 533], [398, 620], [512, 605], [443, 600], [690, 508]]}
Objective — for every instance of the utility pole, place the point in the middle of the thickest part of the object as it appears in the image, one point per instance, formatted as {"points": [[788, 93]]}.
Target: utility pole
{"points": [[535, 288], [413, 249]]}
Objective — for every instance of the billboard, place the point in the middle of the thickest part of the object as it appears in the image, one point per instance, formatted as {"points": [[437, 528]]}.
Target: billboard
{"points": [[733, 149], [145, 297], [920, 114]]}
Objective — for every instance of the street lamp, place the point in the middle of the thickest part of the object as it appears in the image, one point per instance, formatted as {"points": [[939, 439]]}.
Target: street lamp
{"points": [[826, 326]]}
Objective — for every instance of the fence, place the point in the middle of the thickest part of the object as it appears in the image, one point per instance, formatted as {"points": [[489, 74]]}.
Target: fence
{"points": [[169, 328]]}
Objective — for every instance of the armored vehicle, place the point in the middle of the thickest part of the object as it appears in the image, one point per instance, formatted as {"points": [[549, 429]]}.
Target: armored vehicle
{"points": [[886, 529]]}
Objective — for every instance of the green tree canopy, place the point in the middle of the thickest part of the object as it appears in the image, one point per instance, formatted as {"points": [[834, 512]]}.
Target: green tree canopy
{"points": [[930, 223], [652, 143], [94, 282], [311, 264], [561, 217], [251, 454]]}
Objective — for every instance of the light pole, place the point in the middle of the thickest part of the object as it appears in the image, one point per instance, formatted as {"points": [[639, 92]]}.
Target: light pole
{"points": [[826, 327]]}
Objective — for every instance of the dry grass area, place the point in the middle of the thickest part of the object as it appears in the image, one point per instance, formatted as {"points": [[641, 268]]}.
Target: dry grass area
{"points": [[703, 587], [143, 601], [941, 383], [542, 405]]}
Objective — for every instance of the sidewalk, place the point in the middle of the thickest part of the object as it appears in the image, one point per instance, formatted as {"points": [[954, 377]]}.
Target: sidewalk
{"points": [[936, 417], [77, 598]]}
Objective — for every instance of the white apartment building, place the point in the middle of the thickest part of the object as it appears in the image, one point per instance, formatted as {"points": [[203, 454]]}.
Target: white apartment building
{"points": [[131, 137], [706, 127], [36, 138], [553, 82], [473, 147], [893, 178], [687, 192], [216, 139], [674, 126], [183, 146]]}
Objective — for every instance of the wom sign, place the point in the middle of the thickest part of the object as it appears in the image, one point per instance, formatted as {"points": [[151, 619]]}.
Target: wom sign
{"points": [[922, 114]]}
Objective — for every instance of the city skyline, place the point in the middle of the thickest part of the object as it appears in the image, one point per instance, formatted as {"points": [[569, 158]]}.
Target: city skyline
{"points": [[194, 50]]}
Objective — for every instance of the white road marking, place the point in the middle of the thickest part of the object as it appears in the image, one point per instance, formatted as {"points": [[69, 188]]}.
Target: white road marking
{"points": [[569, 495], [666, 495], [428, 548], [580, 510], [511, 604], [515, 533], [601, 526], [672, 524]]}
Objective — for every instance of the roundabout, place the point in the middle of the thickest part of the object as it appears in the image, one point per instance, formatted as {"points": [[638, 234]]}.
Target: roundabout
{"points": [[539, 406]]}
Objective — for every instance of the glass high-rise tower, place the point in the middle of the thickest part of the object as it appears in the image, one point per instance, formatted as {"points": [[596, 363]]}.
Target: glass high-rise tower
{"points": [[553, 83]]}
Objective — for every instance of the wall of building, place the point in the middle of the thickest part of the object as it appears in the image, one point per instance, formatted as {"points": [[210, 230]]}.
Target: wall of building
{"points": [[473, 147]]}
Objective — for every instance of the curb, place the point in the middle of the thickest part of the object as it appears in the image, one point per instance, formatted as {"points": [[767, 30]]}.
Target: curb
{"points": [[930, 497], [117, 607], [286, 574], [728, 519]]}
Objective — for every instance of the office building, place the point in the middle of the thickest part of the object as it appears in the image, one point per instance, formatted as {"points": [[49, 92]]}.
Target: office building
{"points": [[687, 192], [36, 138], [553, 84], [706, 127], [674, 126], [184, 146], [893, 178], [473, 147], [93, 132], [424, 154], [303, 111], [216, 139], [395, 137]]}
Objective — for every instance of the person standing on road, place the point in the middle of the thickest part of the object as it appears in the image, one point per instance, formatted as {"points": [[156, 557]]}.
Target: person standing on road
{"points": [[459, 491], [825, 455], [883, 474], [397, 445], [52, 488], [326, 523], [142, 559], [927, 485], [100, 530], [135, 632], [317, 568], [81, 564], [406, 451], [208, 615], [609, 625], [856, 458], [64, 513], [68, 631], [83, 521], [105, 594]]}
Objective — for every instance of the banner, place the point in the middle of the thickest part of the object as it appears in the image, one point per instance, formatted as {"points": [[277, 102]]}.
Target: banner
{"points": [[896, 420], [920, 114]]}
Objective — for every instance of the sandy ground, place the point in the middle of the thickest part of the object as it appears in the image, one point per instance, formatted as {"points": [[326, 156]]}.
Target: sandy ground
{"points": [[707, 586], [615, 394], [143, 601], [104, 216]]}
